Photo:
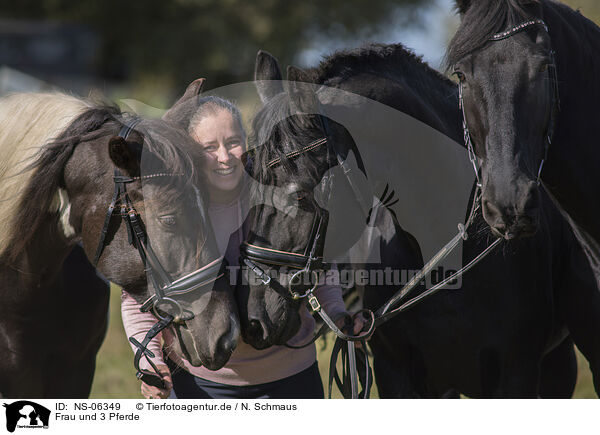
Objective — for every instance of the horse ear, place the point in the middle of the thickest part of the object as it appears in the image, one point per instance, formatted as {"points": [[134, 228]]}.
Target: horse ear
{"points": [[462, 6], [125, 155], [302, 96], [296, 74], [267, 76], [193, 90]]}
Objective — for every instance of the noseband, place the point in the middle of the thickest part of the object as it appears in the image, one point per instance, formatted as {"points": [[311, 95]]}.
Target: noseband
{"points": [[555, 101], [165, 288]]}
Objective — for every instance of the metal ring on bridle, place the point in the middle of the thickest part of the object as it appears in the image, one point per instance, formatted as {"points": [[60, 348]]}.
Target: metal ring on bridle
{"points": [[297, 276], [179, 313]]}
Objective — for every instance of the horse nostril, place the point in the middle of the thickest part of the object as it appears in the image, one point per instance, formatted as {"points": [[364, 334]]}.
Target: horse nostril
{"points": [[229, 341], [227, 344], [490, 211], [255, 329]]}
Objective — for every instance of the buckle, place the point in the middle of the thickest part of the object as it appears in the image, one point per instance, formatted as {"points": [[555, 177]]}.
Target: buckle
{"points": [[314, 303]]}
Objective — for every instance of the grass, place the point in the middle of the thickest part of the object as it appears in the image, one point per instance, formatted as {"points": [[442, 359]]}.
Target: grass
{"points": [[115, 375]]}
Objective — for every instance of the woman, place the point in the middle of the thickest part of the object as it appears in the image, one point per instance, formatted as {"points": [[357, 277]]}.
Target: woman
{"points": [[276, 372]]}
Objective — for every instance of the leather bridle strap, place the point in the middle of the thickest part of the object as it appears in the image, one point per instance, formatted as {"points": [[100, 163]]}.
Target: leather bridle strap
{"points": [[104, 230], [363, 204], [516, 29], [124, 132], [345, 346], [193, 281], [347, 383], [293, 154], [250, 254], [146, 376], [273, 256]]}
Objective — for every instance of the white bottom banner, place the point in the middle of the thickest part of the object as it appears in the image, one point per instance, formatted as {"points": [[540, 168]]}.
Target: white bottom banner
{"points": [[300, 416]]}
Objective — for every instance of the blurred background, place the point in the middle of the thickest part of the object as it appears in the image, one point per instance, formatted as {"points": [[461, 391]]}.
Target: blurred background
{"points": [[150, 50]]}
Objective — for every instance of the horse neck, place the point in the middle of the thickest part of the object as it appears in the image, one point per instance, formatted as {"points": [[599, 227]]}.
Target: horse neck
{"points": [[417, 91], [438, 102], [41, 260], [569, 172], [577, 49]]}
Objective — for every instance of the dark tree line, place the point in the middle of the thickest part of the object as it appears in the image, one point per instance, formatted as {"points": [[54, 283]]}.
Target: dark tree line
{"points": [[175, 41]]}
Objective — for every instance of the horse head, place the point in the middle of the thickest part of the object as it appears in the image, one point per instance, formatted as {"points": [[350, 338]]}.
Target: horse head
{"points": [[284, 249], [503, 58]]}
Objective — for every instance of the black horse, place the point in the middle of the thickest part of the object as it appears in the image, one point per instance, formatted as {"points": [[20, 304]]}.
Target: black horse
{"points": [[489, 338], [529, 73], [64, 153]]}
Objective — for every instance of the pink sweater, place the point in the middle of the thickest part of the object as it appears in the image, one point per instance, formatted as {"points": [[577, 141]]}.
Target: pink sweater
{"points": [[247, 366]]}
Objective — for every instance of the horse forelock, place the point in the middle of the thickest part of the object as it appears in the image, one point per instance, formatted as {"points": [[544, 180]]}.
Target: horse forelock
{"points": [[277, 129], [27, 122], [169, 149], [481, 21]]}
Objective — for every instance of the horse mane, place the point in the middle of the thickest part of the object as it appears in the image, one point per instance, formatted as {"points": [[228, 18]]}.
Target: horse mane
{"points": [[27, 122], [276, 122], [379, 59], [481, 21], [42, 172], [42, 176], [585, 30]]}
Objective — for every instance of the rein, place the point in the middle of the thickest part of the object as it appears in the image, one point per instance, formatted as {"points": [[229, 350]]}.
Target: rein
{"points": [[162, 283]]}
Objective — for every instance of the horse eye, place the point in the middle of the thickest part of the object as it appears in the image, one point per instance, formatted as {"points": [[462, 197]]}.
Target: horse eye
{"points": [[168, 220], [461, 77]]}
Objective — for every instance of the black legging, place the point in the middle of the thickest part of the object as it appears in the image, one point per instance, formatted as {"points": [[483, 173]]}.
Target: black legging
{"points": [[304, 385]]}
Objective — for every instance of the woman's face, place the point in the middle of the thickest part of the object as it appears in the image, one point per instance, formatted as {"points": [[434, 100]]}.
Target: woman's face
{"points": [[223, 142]]}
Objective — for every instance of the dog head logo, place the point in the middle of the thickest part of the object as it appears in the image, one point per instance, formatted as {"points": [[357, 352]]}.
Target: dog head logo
{"points": [[26, 414]]}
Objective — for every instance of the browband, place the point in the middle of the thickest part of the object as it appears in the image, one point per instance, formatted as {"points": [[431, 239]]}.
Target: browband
{"points": [[296, 153], [273, 256], [508, 33]]}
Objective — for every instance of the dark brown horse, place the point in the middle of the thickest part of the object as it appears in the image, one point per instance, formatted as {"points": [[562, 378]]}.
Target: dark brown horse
{"points": [[60, 155]]}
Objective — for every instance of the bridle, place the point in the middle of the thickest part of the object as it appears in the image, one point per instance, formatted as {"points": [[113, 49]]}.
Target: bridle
{"points": [[306, 263], [555, 101], [162, 302]]}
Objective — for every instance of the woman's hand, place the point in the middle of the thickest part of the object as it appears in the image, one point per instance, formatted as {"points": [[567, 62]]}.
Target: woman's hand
{"points": [[359, 323], [150, 392]]}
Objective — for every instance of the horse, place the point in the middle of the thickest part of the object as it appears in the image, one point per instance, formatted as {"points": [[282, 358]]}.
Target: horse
{"points": [[528, 73], [72, 358], [486, 340], [63, 159]]}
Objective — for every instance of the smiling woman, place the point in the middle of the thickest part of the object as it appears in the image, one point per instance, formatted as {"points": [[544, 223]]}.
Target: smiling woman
{"points": [[217, 127]]}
